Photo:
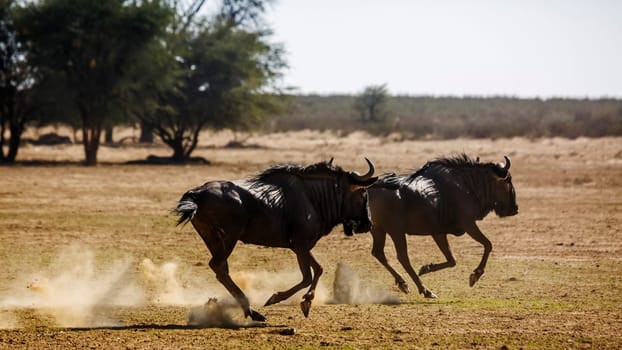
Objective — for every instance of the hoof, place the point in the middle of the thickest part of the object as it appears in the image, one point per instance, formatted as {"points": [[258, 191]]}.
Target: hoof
{"points": [[424, 269], [403, 286], [305, 306], [429, 295], [256, 316], [474, 278], [273, 299]]}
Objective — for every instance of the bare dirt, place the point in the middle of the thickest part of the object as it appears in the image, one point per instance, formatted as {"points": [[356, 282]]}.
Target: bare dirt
{"points": [[91, 257]]}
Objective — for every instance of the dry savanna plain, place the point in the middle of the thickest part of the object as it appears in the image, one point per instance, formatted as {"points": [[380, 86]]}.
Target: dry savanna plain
{"points": [[91, 258]]}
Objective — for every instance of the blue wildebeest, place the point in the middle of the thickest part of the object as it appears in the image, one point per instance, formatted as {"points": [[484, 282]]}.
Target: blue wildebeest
{"points": [[446, 196], [285, 206]]}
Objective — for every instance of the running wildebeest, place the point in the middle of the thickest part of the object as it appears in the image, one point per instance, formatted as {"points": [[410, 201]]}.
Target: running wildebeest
{"points": [[446, 196], [285, 206]]}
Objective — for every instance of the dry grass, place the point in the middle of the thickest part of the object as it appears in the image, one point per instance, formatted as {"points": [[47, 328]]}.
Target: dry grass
{"points": [[553, 280]]}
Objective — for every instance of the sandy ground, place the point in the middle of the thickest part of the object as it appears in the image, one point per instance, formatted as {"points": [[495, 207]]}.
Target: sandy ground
{"points": [[91, 257]]}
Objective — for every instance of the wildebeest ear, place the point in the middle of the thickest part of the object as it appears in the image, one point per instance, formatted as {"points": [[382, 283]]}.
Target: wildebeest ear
{"points": [[330, 162], [502, 174]]}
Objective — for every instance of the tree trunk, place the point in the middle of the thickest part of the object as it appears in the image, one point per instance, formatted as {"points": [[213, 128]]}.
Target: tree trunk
{"points": [[372, 113], [179, 154], [14, 141], [16, 129], [108, 135], [90, 139], [146, 132], [2, 128]]}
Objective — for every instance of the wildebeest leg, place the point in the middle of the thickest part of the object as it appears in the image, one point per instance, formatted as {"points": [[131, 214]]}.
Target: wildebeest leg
{"points": [[221, 268], [305, 304], [477, 235], [220, 246], [304, 262], [377, 251], [399, 240], [443, 245]]}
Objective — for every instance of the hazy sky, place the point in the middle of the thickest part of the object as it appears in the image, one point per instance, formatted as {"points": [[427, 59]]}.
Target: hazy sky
{"points": [[523, 48]]}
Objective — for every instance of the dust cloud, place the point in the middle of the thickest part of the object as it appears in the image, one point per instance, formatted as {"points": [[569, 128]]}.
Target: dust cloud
{"points": [[260, 285], [216, 314], [78, 290], [165, 287], [224, 312], [348, 289], [74, 291]]}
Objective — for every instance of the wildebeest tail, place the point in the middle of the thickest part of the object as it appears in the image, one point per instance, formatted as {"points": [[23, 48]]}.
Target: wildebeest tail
{"points": [[186, 208]]}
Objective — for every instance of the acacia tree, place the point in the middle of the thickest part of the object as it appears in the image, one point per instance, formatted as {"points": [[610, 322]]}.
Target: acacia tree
{"points": [[93, 49], [228, 69], [371, 104]]}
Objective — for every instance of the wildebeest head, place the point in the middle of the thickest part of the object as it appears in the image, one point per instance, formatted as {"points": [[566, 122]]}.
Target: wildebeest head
{"points": [[355, 209], [503, 190]]}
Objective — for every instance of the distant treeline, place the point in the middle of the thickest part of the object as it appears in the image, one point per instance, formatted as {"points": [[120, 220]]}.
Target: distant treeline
{"points": [[449, 117]]}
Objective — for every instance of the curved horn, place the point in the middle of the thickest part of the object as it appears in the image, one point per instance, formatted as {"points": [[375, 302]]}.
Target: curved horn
{"points": [[506, 167], [330, 162], [367, 176]]}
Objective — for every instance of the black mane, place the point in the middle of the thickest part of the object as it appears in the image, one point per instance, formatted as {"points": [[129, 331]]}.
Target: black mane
{"points": [[321, 168], [441, 165], [449, 164], [456, 161], [271, 184]]}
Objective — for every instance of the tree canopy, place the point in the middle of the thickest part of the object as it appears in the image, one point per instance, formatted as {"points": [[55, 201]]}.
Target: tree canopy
{"points": [[228, 81]]}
